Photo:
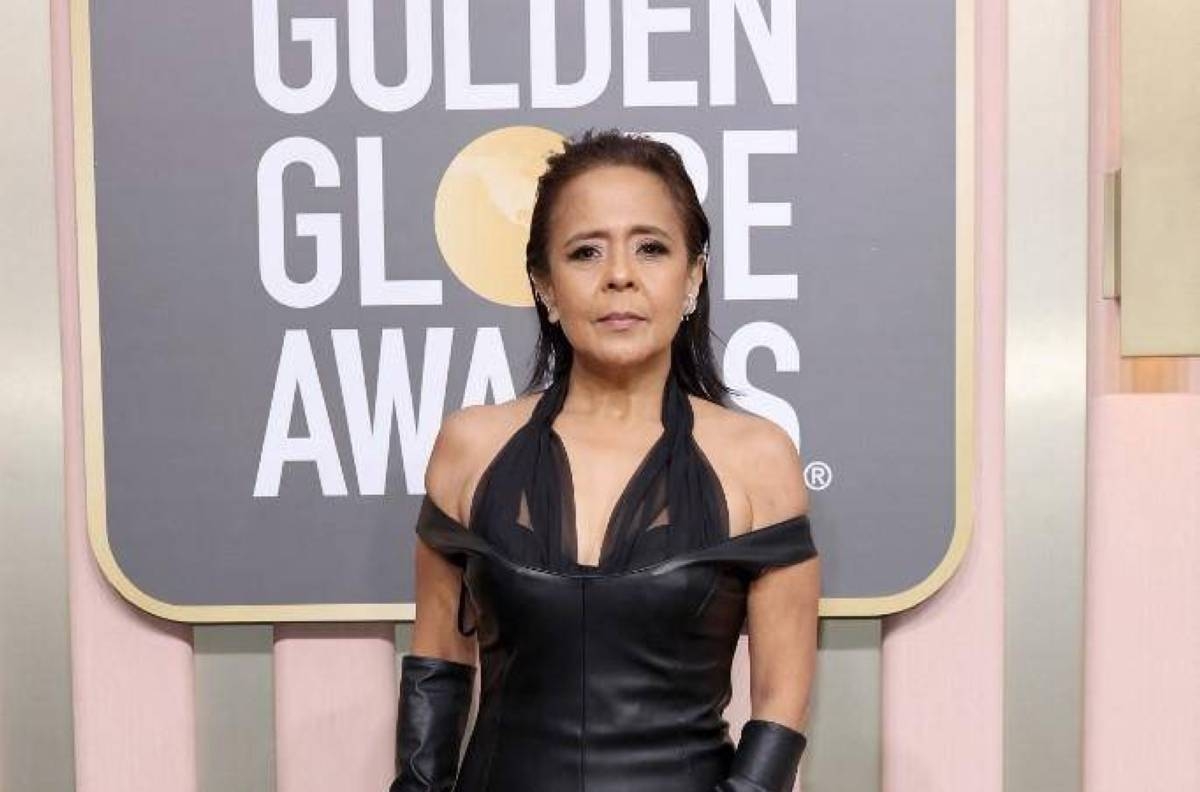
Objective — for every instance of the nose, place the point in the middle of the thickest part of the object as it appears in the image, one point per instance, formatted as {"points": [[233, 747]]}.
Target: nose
{"points": [[619, 274]]}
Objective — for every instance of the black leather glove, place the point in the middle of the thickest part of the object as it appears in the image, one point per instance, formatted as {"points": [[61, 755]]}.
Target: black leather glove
{"points": [[434, 705], [766, 759]]}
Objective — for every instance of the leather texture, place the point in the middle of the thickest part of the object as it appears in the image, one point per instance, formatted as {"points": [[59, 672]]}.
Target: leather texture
{"points": [[612, 677], [767, 758], [434, 706], [608, 681]]}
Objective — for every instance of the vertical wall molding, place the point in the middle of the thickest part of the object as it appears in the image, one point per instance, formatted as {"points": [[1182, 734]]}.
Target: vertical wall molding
{"points": [[36, 750], [1046, 393]]}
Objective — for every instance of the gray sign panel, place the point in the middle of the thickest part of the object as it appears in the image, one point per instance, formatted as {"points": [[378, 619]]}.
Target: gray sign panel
{"points": [[300, 247]]}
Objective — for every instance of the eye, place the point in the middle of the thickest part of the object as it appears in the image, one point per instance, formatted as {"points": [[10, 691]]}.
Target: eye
{"points": [[578, 253], [653, 247]]}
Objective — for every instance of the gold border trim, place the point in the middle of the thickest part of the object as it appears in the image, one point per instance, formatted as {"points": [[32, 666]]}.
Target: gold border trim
{"points": [[93, 408]]}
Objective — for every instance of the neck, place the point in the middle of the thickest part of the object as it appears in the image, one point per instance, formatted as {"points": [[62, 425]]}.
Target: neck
{"points": [[633, 396]]}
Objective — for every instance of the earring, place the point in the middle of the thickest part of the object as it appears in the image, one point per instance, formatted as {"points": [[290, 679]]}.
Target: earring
{"points": [[550, 313], [690, 306]]}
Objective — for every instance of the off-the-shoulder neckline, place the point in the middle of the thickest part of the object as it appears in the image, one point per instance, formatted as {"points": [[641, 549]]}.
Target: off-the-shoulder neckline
{"points": [[761, 531]]}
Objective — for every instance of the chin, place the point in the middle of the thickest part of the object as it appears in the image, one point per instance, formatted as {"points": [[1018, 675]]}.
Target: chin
{"points": [[616, 354]]}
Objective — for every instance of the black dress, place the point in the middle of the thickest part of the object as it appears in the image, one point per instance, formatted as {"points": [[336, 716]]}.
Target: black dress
{"points": [[615, 676]]}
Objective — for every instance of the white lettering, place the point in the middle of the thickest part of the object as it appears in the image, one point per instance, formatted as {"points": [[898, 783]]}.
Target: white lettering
{"points": [[320, 33], [782, 346], [325, 227], [545, 89], [694, 161], [774, 48], [297, 373], [370, 430], [639, 22], [374, 287], [461, 93], [418, 25], [488, 369], [739, 214]]}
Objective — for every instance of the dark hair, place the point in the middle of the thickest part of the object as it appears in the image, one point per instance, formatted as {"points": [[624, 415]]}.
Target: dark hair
{"points": [[692, 361]]}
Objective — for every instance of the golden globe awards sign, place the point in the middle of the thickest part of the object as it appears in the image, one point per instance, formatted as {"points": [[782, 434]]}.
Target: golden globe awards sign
{"points": [[302, 231]]}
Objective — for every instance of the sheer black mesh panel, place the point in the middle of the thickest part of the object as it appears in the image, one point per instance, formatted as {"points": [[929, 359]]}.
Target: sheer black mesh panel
{"points": [[524, 503]]}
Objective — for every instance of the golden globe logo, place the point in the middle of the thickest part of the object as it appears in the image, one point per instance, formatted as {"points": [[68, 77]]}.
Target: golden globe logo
{"points": [[482, 210]]}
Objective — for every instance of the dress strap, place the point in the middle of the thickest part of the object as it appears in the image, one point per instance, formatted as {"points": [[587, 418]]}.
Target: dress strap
{"points": [[671, 477], [524, 505]]}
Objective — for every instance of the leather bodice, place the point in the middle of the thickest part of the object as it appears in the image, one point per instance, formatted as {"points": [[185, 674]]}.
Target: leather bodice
{"points": [[608, 677]]}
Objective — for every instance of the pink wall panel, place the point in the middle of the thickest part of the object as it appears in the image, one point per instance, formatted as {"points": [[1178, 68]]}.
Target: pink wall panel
{"points": [[1142, 675], [134, 713]]}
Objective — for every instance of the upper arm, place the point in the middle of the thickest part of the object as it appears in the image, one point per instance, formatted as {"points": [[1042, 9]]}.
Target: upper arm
{"points": [[448, 469], [438, 581], [783, 602], [774, 474]]}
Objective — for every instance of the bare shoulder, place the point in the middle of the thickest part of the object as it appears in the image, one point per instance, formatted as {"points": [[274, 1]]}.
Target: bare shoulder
{"points": [[467, 440], [766, 465]]}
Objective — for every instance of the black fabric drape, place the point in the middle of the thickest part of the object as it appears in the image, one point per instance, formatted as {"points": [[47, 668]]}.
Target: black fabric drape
{"points": [[524, 503]]}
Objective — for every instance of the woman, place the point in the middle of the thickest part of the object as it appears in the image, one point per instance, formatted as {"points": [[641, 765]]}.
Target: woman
{"points": [[610, 534]]}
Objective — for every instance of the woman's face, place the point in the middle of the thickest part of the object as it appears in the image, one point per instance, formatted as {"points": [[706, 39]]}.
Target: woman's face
{"points": [[616, 245]]}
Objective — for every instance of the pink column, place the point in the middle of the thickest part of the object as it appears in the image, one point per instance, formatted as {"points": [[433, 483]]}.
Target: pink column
{"points": [[131, 672], [335, 706]]}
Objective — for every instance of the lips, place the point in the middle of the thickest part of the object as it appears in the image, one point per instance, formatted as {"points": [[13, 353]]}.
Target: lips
{"points": [[620, 315]]}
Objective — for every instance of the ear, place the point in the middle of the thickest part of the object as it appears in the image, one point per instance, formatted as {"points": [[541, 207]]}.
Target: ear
{"points": [[696, 273], [548, 301], [543, 287]]}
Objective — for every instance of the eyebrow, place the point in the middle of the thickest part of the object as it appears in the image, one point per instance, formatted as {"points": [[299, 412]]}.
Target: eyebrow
{"points": [[637, 229]]}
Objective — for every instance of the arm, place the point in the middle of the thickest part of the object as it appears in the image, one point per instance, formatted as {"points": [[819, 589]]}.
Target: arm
{"points": [[437, 675], [782, 619], [438, 581]]}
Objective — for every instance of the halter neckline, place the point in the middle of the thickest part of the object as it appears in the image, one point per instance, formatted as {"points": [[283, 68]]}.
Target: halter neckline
{"points": [[616, 532], [675, 412], [673, 502]]}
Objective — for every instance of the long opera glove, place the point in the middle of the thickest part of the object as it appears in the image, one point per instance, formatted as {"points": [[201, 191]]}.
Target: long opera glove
{"points": [[766, 759], [434, 705]]}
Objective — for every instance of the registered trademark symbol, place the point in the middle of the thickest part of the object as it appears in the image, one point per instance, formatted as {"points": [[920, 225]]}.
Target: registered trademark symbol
{"points": [[817, 475]]}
